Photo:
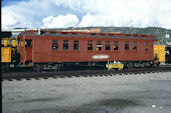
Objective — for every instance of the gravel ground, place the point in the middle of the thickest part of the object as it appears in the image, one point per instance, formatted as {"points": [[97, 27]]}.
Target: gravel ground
{"points": [[135, 93]]}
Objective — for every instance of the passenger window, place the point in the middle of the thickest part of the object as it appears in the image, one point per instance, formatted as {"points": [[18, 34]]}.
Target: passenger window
{"points": [[2, 42], [53, 33], [107, 45], [9, 42], [76, 44], [115, 47], [64, 33], [127, 46], [134, 46], [90, 45], [94, 34], [16, 42], [54, 44], [65, 44], [99, 45], [28, 43], [146, 46]]}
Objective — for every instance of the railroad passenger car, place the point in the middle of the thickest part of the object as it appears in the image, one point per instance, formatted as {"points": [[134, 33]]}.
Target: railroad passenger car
{"points": [[48, 49]]}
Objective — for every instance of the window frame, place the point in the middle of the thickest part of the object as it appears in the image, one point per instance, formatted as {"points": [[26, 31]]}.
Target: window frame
{"points": [[90, 43], [76, 42], [127, 46], [146, 44], [99, 45], [65, 42], [107, 45], [55, 44], [134, 46], [2, 42], [116, 43], [28, 43]]}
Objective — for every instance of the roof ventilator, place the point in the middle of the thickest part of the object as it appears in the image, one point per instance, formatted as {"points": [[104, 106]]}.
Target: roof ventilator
{"points": [[39, 31]]}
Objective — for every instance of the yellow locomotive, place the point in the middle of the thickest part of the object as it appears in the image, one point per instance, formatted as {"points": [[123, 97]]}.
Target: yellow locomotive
{"points": [[159, 52], [9, 50]]}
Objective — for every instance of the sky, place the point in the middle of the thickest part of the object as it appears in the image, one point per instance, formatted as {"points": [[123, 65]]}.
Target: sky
{"points": [[85, 13]]}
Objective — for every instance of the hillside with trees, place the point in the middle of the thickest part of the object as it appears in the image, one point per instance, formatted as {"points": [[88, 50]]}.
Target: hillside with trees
{"points": [[158, 32]]}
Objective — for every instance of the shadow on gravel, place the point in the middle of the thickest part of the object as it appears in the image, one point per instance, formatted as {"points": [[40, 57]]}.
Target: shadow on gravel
{"points": [[75, 68], [66, 68], [43, 99], [19, 69], [115, 103], [78, 110], [27, 73]]}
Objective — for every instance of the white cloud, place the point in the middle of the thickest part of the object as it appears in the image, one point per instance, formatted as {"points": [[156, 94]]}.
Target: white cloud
{"points": [[8, 19], [60, 21], [96, 20], [66, 13], [132, 13]]}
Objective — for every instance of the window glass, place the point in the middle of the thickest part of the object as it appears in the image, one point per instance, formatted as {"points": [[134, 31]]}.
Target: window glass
{"points": [[115, 47], [93, 34], [54, 44], [2, 41], [76, 44], [146, 46], [9, 42], [28, 43], [107, 45], [65, 44], [134, 46], [16, 42], [127, 46], [53, 33], [90, 45], [64, 33], [99, 45]]}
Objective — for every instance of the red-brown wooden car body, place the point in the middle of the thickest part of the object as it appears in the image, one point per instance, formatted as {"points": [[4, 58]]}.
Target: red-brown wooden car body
{"points": [[42, 47]]}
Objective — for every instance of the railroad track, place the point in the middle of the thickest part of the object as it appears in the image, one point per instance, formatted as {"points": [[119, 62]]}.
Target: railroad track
{"points": [[80, 73]]}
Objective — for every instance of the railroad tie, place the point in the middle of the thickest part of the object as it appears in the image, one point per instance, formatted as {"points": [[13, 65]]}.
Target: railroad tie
{"points": [[37, 78]]}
